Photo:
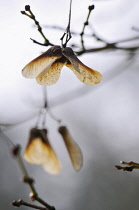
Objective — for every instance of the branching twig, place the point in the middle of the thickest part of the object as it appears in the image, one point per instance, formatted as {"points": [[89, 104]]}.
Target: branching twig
{"points": [[32, 16], [90, 8], [23, 203], [106, 45], [26, 179], [16, 149], [130, 166], [112, 46], [67, 33]]}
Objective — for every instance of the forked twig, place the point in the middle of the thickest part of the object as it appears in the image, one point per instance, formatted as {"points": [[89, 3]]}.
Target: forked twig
{"points": [[130, 166], [23, 203], [32, 16], [67, 33]]}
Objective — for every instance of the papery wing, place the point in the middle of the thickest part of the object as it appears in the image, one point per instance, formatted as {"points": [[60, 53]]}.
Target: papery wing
{"points": [[40, 151], [73, 149], [36, 151], [50, 76], [84, 73], [42, 62]]}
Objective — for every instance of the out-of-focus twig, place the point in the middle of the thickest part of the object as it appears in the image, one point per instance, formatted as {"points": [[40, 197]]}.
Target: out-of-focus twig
{"points": [[23, 203], [130, 166], [32, 16], [15, 150]]}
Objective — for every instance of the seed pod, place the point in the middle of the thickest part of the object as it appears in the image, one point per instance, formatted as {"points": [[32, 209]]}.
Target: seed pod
{"points": [[73, 148], [40, 151]]}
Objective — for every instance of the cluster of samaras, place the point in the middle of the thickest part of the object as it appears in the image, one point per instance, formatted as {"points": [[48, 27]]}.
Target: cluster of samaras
{"points": [[47, 67], [40, 151]]}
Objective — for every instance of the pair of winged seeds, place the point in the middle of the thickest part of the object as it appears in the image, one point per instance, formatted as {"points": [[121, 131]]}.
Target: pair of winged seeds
{"points": [[39, 150], [47, 67]]}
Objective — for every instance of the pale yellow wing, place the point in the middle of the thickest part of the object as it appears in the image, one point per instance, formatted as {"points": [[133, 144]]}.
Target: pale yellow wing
{"points": [[73, 148], [40, 151], [83, 73], [51, 75], [42, 62]]}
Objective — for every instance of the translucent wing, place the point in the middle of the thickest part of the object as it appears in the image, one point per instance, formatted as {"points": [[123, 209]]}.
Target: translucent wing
{"points": [[73, 149], [39, 151], [84, 73], [41, 63], [51, 75]]}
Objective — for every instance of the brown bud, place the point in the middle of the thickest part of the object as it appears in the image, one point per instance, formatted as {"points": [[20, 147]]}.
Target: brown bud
{"points": [[16, 149], [23, 12], [27, 7], [91, 7]]}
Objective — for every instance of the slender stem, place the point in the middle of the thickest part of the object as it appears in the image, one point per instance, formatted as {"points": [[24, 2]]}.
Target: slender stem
{"points": [[7, 140], [67, 33], [16, 152], [90, 8], [23, 203], [32, 16], [47, 108], [28, 180], [130, 166], [44, 203]]}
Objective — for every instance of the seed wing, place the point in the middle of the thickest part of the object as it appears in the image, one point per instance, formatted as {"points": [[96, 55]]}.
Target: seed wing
{"points": [[72, 148], [83, 73], [40, 151], [50, 76], [42, 62]]}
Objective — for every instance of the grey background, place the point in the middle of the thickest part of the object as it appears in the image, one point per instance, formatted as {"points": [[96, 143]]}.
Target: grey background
{"points": [[103, 119]]}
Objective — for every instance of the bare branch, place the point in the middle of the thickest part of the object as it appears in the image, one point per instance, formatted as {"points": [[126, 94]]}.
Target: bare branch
{"points": [[67, 33], [32, 16], [90, 8], [130, 166], [23, 203]]}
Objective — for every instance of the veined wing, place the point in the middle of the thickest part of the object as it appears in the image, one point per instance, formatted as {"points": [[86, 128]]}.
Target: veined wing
{"points": [[73, 148], [84, 73], [40, 151], [50, 76], [42, 62]]}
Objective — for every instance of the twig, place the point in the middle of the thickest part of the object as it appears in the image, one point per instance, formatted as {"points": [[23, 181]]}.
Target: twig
{"points": [[112, 46], [26, 179], [90, 8], [135, 28], [67, 33], [44, 110], [32, 16], [23, 203], [16, 150], [130, 166]]}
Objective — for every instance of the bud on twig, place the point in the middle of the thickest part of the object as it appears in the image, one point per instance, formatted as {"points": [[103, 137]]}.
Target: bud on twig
{"points": [[27, 7]]}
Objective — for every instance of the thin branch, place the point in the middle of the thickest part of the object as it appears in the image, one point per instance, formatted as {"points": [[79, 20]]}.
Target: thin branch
{"points": [[90, 8], [32, 16], [26, 179], [135, 28], [44, 110], [112, 46], [67, 33], [130, 166], [8, 141], [23, 203], [16, 152]]}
